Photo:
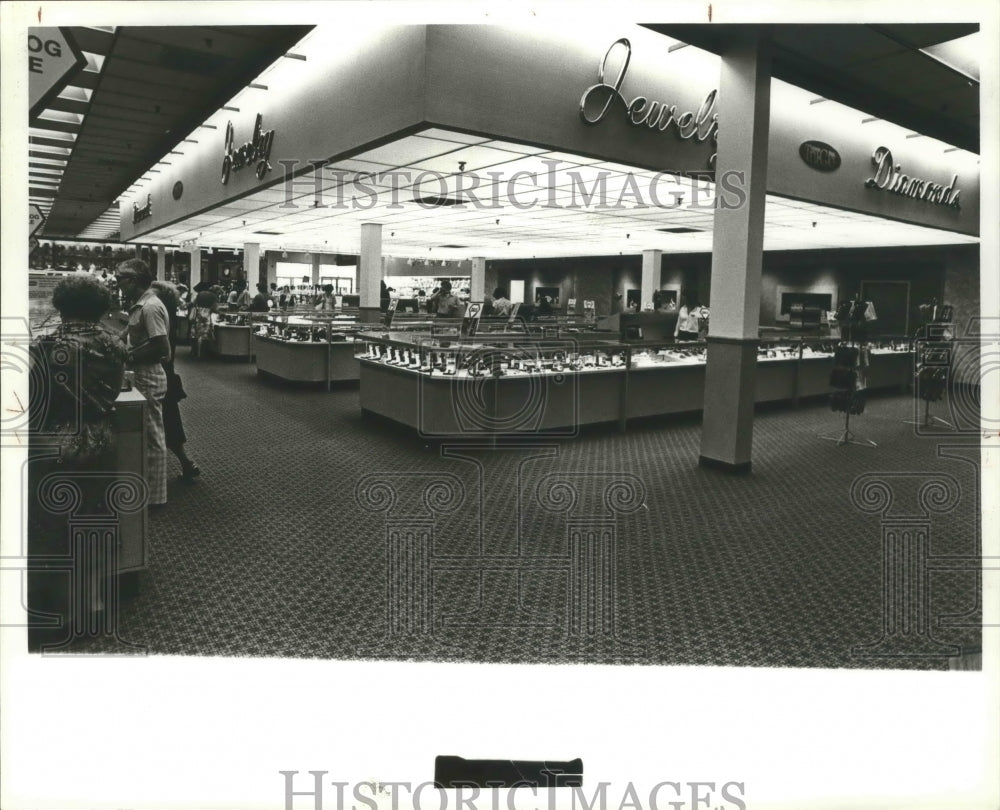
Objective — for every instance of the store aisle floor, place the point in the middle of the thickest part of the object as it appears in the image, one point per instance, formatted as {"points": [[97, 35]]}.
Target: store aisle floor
{"points": [[283, 547]]}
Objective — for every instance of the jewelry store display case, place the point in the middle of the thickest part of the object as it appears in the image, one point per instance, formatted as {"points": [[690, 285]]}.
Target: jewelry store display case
{"points": [[313, 348], [233, 334], [516, 384], [486, 385]]}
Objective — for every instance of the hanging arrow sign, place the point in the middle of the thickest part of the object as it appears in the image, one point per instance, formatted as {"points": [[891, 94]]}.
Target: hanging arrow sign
{"points": [[35, 219], [53, 59]]}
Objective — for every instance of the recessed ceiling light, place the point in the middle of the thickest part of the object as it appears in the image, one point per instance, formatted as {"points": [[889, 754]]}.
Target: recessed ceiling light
{"points": [[681, 230]]}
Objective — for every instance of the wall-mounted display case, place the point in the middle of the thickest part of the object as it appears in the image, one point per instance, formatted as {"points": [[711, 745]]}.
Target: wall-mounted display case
{"points": [[519, 384]]}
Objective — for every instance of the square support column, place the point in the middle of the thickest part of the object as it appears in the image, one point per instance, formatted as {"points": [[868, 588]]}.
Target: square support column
{"points": [[271, 268], [651, 260], [477, 288], [251, 265], [370, 271], [737, 246], [161, 262], [195, 262]]}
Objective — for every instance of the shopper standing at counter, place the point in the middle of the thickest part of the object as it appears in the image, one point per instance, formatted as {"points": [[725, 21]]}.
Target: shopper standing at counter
{"points": [[173, 425], [148, 346], [206, 303], [448, 305], [383, 296], [260, 300], [76, 403], [687, 319], [76, 377], [501, 304], [286, 299], [327, 302], [239, 298]]}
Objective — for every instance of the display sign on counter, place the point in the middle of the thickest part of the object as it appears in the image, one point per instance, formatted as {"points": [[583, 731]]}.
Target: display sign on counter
{"points": [[470, 320]]}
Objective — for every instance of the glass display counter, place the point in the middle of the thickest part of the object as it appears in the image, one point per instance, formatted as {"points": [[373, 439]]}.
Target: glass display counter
{"points": [[517, 384], [234, 333], [306, 349], [85, 532], [491, 384]]}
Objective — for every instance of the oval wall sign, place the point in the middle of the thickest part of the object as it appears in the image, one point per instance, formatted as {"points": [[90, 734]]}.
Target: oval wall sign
{"points": [[178, 190], [820, 156]]}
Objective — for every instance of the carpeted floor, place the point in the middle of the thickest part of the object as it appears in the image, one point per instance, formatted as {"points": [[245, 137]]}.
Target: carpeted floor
{"points": [[315, 533]]}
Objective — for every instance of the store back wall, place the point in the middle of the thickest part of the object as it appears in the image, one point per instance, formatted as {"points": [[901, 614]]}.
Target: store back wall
{"points": [[948, 273], [597, 278]]}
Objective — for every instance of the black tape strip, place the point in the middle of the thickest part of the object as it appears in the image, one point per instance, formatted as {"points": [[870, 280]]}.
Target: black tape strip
{"points": [[454, 772]]}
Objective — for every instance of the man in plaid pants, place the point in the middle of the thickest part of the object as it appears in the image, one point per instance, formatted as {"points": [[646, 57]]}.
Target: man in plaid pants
{"points": [[148, 344]]}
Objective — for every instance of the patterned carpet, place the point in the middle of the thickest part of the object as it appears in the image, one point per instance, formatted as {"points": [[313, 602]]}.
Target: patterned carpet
{"points": [[315, 533]]}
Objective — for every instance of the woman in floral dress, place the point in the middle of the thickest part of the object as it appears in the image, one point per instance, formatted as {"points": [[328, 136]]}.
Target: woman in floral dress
{"points": [[206, 303]]}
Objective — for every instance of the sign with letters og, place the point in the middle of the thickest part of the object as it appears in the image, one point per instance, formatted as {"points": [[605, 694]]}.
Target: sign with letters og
{"points": [[35, 219], [53, 58]]}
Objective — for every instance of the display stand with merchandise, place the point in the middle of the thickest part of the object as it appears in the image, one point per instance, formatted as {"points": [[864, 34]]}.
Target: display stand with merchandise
{"points": [[933, 352], [850, 394]]}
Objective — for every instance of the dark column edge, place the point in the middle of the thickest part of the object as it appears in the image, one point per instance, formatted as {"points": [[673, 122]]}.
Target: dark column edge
{"points": [[734, 341], [742, 468]]}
